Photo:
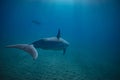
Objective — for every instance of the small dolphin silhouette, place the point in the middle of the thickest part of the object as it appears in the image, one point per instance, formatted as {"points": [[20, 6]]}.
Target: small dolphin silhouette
{"points": [[52, 43], [36, 22]]}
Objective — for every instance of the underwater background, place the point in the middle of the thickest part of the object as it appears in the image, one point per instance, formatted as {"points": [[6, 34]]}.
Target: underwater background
{"points": [[92, 27]]}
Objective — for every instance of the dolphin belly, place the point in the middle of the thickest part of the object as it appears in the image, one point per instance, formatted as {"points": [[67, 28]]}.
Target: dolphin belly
{"points": [[50, 43]]}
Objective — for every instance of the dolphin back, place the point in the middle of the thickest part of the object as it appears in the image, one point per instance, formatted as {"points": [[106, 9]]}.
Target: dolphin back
{"points": [[26, 47]]}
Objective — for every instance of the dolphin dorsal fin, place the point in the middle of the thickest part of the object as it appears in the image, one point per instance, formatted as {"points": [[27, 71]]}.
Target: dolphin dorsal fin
{"points": [[58, 34]]}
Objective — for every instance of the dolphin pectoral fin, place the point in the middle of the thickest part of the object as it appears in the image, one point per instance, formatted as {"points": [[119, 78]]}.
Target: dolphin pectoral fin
{"points": [[64, 51], [26, 47]]}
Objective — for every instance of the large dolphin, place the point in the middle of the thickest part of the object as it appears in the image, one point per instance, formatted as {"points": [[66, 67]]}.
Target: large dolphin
{"points": [[52, 43]]}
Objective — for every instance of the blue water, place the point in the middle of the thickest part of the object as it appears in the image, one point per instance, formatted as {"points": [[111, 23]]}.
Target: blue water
{"points": [[92, 29]]}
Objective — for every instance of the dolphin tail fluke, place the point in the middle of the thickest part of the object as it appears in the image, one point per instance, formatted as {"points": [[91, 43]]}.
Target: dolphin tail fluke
{"points": [[26, 47]]}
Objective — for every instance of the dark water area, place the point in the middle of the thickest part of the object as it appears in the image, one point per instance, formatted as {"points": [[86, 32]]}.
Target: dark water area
{"points": [[91, 27]]}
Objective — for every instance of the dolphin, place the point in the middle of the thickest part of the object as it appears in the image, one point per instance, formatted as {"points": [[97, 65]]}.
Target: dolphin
{"points": [[36, 22], [51, 43]]}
